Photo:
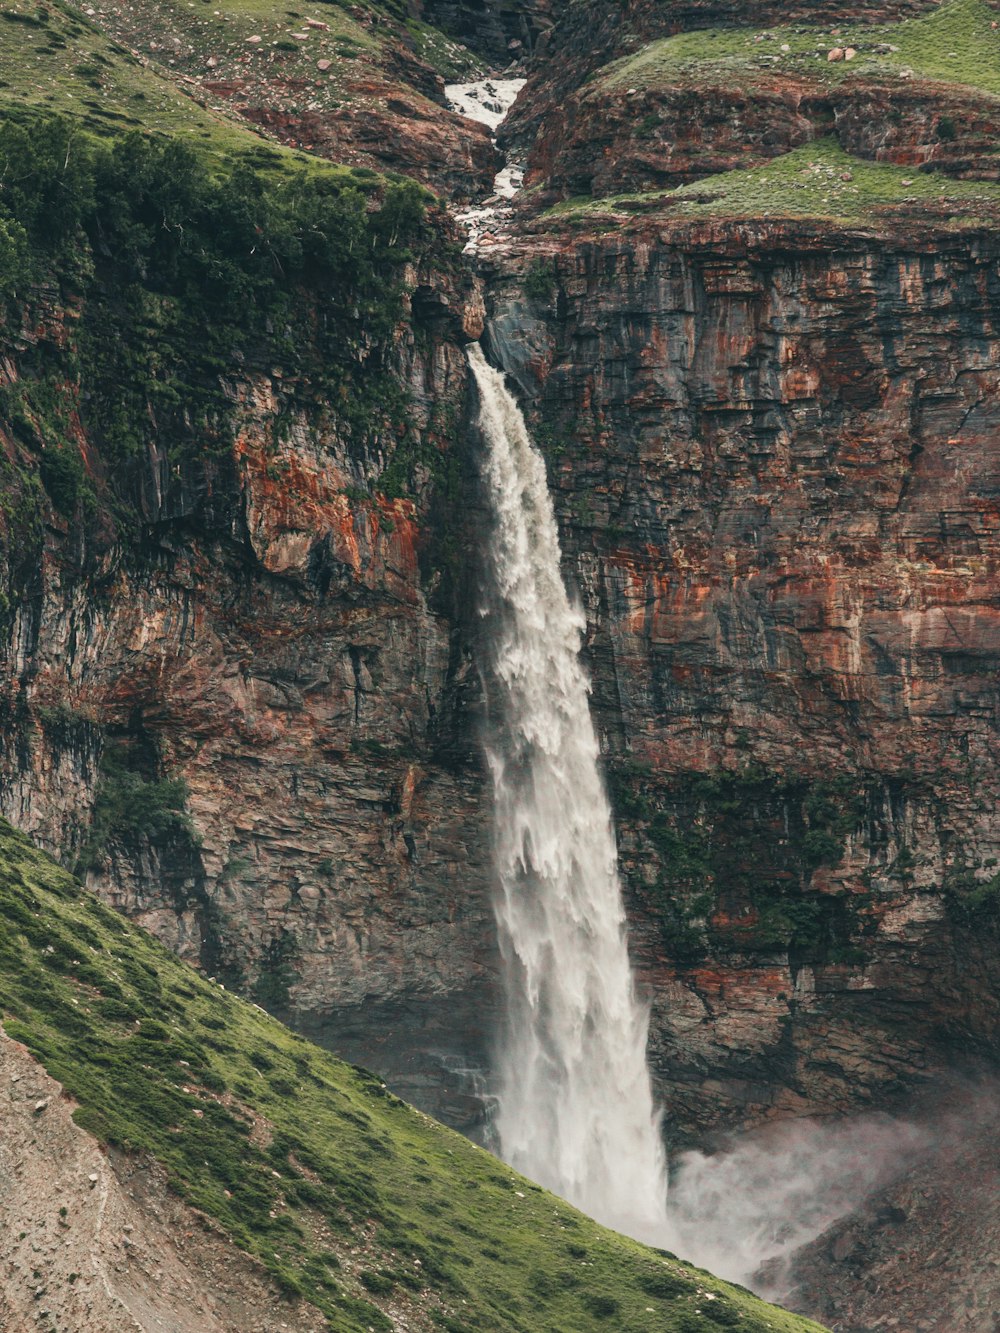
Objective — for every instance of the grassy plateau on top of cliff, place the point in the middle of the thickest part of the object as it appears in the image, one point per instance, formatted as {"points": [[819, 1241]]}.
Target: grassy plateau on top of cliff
{"points": [[55, 58], [313, 58], [349, 1197], [956, 43], [818, 180]]}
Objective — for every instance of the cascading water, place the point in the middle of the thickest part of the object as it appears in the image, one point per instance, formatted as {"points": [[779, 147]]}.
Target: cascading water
{"points": [[576, 1109]]}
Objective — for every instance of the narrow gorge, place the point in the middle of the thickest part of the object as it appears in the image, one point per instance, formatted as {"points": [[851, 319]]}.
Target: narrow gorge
{"points": [[734, 270]]}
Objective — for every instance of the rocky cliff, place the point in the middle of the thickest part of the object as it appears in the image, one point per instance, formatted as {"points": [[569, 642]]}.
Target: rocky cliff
{"points": [[772, 448], [241, 686]]}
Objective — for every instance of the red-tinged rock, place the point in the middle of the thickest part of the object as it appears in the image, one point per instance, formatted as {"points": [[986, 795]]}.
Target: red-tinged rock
{"points": [[786, 545], [388, 132]]}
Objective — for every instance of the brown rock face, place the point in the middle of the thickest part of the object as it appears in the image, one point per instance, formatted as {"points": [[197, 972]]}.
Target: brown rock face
{"points": [[278, 635], [384, 128], [773, 453], [500, 32], [592, 35], [608, 142], [941, 1220]]}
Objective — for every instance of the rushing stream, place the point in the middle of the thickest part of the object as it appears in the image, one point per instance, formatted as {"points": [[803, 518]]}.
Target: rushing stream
{"points": [[576, 1108], [488, 101]]}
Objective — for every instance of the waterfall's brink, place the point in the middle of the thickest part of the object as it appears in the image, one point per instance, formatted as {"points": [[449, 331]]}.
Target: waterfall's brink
{"points": [[576, 1107]]}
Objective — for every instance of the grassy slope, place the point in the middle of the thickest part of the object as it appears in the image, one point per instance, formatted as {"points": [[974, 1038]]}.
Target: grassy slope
{"points": [[957, 44], [953, 44], [356, 45], [346, 1193], [53, 59], [818, 180]]}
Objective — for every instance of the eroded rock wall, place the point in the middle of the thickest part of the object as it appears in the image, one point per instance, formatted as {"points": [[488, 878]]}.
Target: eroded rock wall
{"points": [[773, 451], [277, 640]]}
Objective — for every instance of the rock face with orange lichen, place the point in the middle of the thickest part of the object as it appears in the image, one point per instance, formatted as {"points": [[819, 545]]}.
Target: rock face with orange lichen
{"points": [[772, 448], [240, 715]]}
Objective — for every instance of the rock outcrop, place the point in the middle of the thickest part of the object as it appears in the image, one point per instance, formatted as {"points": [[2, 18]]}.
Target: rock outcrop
{"points": [[588, 125], [940, 1220]]}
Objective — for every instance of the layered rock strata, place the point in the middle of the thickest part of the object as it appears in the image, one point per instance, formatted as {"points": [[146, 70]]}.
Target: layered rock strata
{"points": [[278, 637], [772, 450]]}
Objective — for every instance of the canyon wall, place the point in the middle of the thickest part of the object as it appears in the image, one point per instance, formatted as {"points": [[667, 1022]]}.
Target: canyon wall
{"points": [[240, 683], [773, 452], [235, 698]]}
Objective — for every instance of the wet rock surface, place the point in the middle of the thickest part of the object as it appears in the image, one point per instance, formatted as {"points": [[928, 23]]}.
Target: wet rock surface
{"points": [[920, 1254]]}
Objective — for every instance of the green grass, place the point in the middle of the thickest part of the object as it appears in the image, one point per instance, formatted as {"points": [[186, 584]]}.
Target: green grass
{"points": [[54, 59], [954, 44], [281, 69], [221, 31], [817, 180], [348, 1196]]}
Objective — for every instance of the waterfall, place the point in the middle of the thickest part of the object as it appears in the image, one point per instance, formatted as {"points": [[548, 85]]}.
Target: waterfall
{"points": [[576, 1108]]}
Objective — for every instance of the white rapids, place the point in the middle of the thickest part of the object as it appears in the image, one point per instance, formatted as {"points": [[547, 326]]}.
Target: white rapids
{"points": [[576, 1109], [488, 101]]}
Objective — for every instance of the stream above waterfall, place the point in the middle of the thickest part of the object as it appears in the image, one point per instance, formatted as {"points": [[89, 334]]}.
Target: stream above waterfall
{"points": [[488, 101]]}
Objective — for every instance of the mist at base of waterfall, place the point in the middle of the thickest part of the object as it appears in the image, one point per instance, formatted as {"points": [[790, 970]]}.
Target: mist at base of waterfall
{"points": [[742, 1212]]}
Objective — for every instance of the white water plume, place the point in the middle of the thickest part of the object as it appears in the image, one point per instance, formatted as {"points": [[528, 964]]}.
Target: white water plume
{"points": [[744, 1211], [576, 1108]]}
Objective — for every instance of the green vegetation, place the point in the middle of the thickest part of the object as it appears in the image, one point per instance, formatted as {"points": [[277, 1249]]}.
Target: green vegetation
{"points": [[192, 254], [187, 270], [54, 59], [57, 59], [268, 46], [540, 280], [955, 43], [818, 180], [821, 180], [130, 807], [345, 1193], [737, 854], [971, 900]]}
